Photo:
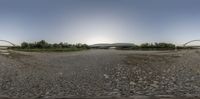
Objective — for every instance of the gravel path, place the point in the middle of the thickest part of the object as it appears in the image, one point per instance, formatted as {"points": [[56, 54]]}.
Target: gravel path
{"points": [[96, 73]]}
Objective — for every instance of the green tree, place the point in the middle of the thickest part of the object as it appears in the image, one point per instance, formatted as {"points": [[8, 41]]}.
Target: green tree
{"points": [[25, 45], [42, 44]]}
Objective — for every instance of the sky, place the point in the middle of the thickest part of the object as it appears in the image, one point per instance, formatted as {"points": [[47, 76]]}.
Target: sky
{"points": [[100, 21]]}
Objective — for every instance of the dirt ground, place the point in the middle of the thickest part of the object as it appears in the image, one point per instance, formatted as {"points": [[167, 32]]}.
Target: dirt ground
{"points": [[100, 73]]}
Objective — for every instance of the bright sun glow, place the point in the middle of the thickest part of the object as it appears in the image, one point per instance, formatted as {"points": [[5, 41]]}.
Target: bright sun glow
{"points": [[94, 29], [98, 39]]}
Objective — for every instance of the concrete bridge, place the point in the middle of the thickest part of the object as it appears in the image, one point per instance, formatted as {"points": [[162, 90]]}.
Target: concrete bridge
{"points": [[187, 43], [3, 48], [5, 41]]}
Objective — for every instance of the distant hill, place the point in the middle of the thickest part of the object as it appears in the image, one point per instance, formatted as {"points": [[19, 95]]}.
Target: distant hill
{"points": [[100, 44], [112, 45], [123, 44]]}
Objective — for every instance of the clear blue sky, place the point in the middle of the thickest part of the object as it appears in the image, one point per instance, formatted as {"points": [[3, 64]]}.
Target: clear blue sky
{"points": [[100, 21]]}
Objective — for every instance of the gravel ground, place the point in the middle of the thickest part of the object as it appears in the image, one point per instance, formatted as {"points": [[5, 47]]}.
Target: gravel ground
{"points": [[100, 73]]}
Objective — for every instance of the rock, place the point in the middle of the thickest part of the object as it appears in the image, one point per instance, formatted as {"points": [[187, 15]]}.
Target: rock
{"points": [[114, 93], [192, 78], [132, 83], [60, 73], [124, 77], [164, 96], [173, 78], [106, 76], [154, 85], [116, 90], [155, 82]]}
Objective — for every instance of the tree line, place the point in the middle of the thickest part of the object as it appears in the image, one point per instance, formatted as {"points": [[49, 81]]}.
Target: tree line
{"points": [[150, 46], [157, 45], [45, 45]]}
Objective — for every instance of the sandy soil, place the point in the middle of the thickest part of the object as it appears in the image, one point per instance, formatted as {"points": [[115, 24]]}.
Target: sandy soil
{"points": [[96, 73]]}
